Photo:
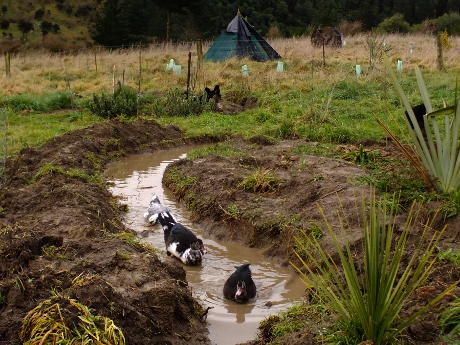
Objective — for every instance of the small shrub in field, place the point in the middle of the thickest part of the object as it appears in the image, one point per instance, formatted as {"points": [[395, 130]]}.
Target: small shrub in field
{"points": [[175, 103], [394, 24], [123, 102], [260, 181], [449, 22], [45, 102]]}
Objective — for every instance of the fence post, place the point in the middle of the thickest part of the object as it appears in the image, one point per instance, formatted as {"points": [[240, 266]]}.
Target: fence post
{"points": [[189, 66], [440, 58], [140, 69], [199, 63], [7, 64], [324, 54], [113, 79], [95, 59]]}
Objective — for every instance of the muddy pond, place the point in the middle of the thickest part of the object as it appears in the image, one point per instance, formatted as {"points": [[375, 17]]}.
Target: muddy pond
{"points": [[135, 178]]}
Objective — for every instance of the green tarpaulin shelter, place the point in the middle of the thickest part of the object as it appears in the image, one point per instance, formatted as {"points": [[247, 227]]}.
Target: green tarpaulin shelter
{"points": [[242, 40]]}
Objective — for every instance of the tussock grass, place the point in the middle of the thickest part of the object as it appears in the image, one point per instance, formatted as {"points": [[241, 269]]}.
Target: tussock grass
{"points": [[260, 181], [62, 320]]}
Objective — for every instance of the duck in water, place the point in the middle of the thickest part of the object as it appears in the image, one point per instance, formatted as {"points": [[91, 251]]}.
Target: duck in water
{"points": [[179, 240], [240, 287]]}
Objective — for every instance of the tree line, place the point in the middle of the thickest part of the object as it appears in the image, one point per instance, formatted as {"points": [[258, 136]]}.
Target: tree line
{"points": [[126, 22]]}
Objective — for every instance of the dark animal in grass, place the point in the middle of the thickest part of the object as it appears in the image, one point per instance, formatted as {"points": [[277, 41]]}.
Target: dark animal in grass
{"points": [[180, 241], [240, 287], [154, 210], [331, 37], [419, 112], [213, 94]]}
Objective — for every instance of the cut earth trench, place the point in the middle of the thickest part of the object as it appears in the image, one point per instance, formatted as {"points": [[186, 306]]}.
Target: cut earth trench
{"points": [[52, 198]]}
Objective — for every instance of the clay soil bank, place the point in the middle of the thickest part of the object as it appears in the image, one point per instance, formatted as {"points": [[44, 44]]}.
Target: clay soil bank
{"points": [[61, 233]]}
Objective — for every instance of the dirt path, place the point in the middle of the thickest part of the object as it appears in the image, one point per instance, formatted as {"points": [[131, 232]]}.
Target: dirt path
{"points": [[61, 231]]}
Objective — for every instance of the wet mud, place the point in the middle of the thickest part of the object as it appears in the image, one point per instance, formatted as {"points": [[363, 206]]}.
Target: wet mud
{"points": [[135, 179], [61, 231]]}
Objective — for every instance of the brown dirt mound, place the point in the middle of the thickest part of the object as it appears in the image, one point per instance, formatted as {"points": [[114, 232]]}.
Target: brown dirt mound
{"points": [[211, 187], [60, 229], [268, 219]]}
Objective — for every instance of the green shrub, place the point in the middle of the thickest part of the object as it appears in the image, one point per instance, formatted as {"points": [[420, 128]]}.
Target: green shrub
{"points": [[123, 102], [449, 22], [44, 102], [394, 24], [174, 103], [450, 319]]}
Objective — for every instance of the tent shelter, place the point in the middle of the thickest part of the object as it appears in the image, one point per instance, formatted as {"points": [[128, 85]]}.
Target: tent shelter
{"points": [[242, 40]]}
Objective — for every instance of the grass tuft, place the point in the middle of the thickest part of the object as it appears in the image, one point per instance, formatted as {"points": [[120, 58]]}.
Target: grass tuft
{"points": [[52, 169], [62, 320], [260, 181]]}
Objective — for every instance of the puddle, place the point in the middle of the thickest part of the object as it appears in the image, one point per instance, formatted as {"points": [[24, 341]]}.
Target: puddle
{"points": [[135, 179]]}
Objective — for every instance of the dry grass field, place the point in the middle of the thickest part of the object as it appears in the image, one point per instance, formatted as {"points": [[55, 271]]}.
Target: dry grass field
{"points": [[38, 71]]}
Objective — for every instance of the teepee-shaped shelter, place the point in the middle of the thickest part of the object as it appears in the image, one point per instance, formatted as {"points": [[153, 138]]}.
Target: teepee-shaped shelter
{"points": [[242, 40]]}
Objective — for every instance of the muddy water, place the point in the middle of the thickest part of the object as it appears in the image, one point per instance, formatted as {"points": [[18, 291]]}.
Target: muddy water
{"points": [[135, 179]]}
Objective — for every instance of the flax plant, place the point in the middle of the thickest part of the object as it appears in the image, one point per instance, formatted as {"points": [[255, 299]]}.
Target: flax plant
{"points": [[437, 145], [371, 293]]}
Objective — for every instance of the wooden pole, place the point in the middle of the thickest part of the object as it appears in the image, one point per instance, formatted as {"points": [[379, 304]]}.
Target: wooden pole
{"points": [[140, 69], [440, 58], [189, 67], [324, 55], [95, 59], [113, 80], [199, 62], [7, 64]]}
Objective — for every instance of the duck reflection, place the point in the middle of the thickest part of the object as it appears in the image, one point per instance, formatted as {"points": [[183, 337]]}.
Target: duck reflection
{"points": [[240, 310]]}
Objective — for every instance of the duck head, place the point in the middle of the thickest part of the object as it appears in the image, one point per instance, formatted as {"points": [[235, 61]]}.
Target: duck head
{"points": [[193, 257], [241, 294]]}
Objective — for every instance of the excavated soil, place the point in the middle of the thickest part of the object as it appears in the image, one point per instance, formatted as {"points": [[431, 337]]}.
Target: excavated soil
{"points": [[61, 230], [211, 188], [269, 219]]}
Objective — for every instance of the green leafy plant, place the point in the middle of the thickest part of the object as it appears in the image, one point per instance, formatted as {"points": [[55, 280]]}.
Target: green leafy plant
{"points": [[123, 102], [437, 149], [174, 103], [450, 319], [371, 294]]}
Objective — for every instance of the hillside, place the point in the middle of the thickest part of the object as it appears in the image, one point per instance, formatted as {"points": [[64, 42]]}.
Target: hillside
{"points": [[52, 24]]}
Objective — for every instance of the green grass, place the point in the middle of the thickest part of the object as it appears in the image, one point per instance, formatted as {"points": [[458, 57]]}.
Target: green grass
{"points": [[260, 181], [292, 320], [450, 255], [42, 102], [34, 129], [329, 113], [220, 149], [52, 169]]}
